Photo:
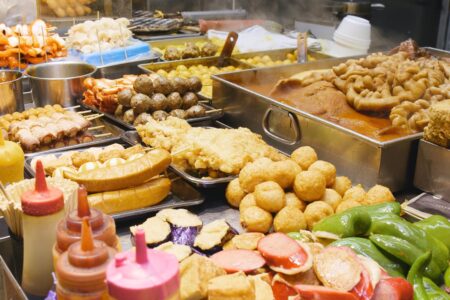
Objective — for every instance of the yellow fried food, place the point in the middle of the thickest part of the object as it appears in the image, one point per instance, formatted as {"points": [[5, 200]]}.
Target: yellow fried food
{"points": [[107, 155], [247, 241], [344, 205], [342, 184], [234, 193], [304, 156], [247, 201], [284, 172], [289, 219], [80, 158], [255, 219], [327, 169], [269, 196], [292, 200], [331, 197], [317, 211], [378, 194], [309, 185], [254, 173], [356, 193]]}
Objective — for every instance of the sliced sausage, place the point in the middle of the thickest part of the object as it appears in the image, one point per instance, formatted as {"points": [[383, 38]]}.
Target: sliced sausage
{"points": [[317, 292], [236, 260], [394, 289]]}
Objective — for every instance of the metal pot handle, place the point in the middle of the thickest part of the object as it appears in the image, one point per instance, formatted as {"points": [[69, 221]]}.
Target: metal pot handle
{"points": [[25, 77], [294, 122]]}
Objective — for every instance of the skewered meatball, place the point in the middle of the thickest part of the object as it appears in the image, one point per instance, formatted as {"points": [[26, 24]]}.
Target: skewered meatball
{"points": [[160, 115], [162, 85], [174, 101], [128, 116], [124, 97], [140, 103], [179, 113], [189, 99], [144, 85], [179, 85], [172, 53], [190, 51], [119, 111], [195, 84], [142, 119], [158, 102], [209, 49], [196, 111]]}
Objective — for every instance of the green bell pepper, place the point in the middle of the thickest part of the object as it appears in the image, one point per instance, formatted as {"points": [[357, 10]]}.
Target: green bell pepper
{"points": [[383, 208], [447, 278], [365, 247], [437, 226], [415, 276], [404, 251], [433, 291], [346, 224]]}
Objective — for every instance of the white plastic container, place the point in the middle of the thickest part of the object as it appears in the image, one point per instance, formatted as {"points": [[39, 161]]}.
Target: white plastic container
{"points": [[353, 32]]}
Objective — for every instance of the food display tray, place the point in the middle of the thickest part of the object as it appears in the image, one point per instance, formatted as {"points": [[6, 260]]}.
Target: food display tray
{"points": [[182, 194], [128, 126], [133, 137], [433, 169], [117, 70], [180, 41], [278, 54], [359, 157]]}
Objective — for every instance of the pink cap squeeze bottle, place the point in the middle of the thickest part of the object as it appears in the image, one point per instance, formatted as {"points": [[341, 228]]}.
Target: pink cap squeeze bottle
{"points": [[143, 274], [69, 228], [42, 208]]}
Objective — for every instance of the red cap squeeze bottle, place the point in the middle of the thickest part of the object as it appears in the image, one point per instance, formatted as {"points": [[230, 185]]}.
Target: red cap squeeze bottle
{"points": [[143, 274], [81, 270], [69, 229], [42, 208]]}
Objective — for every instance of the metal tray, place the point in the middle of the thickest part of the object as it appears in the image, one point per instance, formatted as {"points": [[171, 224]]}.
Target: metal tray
{"points": [[117, 70], [433, 169], [279, 54], [133, 137], [364, 160], [182, 194], [180, 41]]}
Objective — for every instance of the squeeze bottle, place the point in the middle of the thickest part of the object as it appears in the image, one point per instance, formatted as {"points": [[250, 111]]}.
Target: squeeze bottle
{"points": [[11, 161]]}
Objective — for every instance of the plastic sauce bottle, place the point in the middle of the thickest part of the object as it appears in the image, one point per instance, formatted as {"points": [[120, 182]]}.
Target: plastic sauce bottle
{"points": [[143, 274], [11, 161], [69, 228], [81, 270], [42, 208]]}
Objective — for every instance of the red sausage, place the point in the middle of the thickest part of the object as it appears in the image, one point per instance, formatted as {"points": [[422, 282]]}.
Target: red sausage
{"points": [[235, 260], [317, 292], [394, 289], [282, 291], [364, 289]]}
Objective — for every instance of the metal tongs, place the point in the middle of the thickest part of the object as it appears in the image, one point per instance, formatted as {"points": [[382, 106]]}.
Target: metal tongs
{"points": [[228, 48], [302, 47]]}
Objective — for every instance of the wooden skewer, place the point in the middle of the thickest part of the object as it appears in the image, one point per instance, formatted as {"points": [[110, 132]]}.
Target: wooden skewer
{"points": [[148, 148], [102, 135], [208, 112], [72, 107], [204, 101], [96, 127], [2, 188], [93, 117], [181, 150], [84, 112]]}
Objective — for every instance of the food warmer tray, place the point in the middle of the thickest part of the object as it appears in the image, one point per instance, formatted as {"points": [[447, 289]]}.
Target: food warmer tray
{"points": [[133, 137], [180, 41], [182, 194], [128, 126], [359, 157], [278, 54], [117, 70], [433, 169]]}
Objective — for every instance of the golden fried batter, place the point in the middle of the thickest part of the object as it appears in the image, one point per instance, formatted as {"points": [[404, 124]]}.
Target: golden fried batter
{"points": [[80, 158]]}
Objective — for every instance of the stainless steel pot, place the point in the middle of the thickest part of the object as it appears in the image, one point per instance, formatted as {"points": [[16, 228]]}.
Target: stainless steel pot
{"points": [[58, 82], [11, 92]]}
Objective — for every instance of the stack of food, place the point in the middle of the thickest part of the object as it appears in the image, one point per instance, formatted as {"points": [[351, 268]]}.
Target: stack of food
{"points": [[137, 99], [66, 8], [45, 127], [299, 191], [190, 50], [267, 61], [25, 44], [438, 129], [208, 152]]}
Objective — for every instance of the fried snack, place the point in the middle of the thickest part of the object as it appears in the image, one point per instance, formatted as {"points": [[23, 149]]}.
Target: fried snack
{"points": [[246, 202], [327, 169], [344, 205], [284, 172], [255, 219], [292, 200], [304, 156], [309, 185], [232, 286], [106, 155], [80, 158], [378, 194], [136, 149], [317, 211], [269, 196], [247, 241], [342, 184], [356, 193], [254, 173], [289, 219], [412, 116], [438, 130], [234, 193], [331, 197]]}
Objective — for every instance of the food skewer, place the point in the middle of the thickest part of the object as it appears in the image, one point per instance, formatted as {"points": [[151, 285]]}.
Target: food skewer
{"points": [[102, 135], [93, 117], [96, 127], [84, 112], [72, 107], [208, 112], [44, 40]]}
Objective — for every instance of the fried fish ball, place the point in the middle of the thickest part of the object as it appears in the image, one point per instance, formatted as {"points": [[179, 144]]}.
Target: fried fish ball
{"points": [[304, 156], [356, 193], [292, 200], [331, 197], [344, 205], [80, 158], [317, 211], [289, 219], [284, 172], [254, 173], [378, 194], [342, 184], [144, 85], [162, 85], [327, 169], [255, 219], [309, 185], [124, 97], [246, 202], [234, 193], [270, 196]]}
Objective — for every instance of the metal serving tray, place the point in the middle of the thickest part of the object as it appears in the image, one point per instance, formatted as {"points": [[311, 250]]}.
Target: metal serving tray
{"points": [[363, 159], [180, 41], [182, 194], [433, 169], [117, 70], [279, 54]]}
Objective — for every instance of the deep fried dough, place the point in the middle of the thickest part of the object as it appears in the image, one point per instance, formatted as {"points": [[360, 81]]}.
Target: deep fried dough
{"points": [[327, 169], [304, 156], [270, 196], [309, 185]]}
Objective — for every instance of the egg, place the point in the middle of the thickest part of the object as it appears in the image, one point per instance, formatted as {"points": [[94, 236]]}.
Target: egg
{"points": [[92, 165], [114, 162]]}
